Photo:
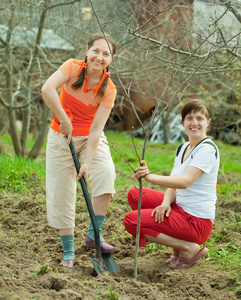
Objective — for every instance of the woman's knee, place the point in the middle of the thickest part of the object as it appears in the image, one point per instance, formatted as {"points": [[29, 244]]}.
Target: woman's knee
{"points": [[129, 222], [132, 197]]}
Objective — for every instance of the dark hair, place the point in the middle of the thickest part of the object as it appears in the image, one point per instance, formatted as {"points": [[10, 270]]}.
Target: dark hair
{"points": [[195, 105], [80, 80]]}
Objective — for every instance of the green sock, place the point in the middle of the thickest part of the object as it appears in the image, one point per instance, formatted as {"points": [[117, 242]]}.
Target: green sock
{"points": [[100, 221], [68, 246]]}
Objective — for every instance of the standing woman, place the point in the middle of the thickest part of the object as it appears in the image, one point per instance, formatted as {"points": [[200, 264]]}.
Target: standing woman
{"points": [[183, 217], [80, 111]]}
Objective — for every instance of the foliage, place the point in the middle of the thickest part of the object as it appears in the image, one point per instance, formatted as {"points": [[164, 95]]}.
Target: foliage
{"points": [[40, 270]]}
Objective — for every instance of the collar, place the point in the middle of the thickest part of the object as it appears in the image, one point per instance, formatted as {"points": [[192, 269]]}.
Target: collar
{"points": [[94, 88]]}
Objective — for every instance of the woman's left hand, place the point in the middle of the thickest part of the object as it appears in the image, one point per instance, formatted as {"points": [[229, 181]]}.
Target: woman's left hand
{"points": [[160, 212], [141, 171], [83, 172]]}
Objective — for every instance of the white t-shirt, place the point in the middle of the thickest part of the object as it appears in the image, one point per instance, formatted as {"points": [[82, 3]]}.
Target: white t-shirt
{"points": [[199, 198]]}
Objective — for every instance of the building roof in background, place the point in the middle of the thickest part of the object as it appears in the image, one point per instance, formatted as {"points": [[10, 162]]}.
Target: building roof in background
{"points": [[22, 36], [69, 21]]}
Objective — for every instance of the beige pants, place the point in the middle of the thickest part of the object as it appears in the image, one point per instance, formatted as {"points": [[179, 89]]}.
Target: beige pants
{"points": [[61, 176]]}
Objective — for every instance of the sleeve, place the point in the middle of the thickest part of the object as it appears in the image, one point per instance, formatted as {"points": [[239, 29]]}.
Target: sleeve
{"points": [[204, 158], [109, 99], [66, 67]]}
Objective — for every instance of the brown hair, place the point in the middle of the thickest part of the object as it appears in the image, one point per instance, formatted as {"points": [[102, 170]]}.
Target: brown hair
{"points": [[80, 80], [195, 105]]}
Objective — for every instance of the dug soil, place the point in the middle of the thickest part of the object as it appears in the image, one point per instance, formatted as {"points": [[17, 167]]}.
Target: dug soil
{"points": [[31, 252]]}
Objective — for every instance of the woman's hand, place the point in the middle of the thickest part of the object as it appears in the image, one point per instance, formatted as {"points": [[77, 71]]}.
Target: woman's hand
{"points": [[142, 171], [66, 129], [160, 212], [83, 172]]}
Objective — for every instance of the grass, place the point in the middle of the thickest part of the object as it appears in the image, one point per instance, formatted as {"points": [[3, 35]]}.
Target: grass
{"points": [[230, 158], [155, 155], [18, 174]]}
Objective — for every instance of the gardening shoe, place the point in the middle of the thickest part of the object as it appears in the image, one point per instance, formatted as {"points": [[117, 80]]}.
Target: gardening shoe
{"points": [[186, 262], [174, 257], [105, 248], [68, 263]]}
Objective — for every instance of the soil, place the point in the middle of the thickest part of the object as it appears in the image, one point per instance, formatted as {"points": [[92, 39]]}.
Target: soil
{"points": [[31, 253]]}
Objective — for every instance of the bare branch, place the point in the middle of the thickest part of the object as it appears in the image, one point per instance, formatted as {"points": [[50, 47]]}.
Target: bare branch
{"points": [[126, 160], [62, 4], [211, 53], [134, 145], [230, 7], [5, 44], [28, 102], [46, 58], [175, 50], [120, 81], [155, 15]]}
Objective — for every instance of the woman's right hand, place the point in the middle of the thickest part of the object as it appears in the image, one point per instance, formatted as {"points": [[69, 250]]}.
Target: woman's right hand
{"points": [[66, 129], [160, 212], [142, 171]]}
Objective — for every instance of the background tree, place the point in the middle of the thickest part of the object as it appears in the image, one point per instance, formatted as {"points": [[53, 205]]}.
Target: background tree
{"points": [[166, 53], [24, 67]]}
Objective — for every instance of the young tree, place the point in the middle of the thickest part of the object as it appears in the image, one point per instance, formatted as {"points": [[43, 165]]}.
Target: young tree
{"points": [[168, 69]]}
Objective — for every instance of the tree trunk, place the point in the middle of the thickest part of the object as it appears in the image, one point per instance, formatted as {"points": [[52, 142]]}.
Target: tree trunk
{"points": [[26, 112], [41, 135], [9, 86], [3, 129], [165, 125], [14, 132]]}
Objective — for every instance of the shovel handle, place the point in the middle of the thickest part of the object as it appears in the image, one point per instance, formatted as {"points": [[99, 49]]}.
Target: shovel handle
{"points": [[87, 198]]}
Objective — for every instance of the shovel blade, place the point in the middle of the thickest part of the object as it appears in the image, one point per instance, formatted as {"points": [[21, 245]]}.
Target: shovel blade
{"points": [[104, 263]]}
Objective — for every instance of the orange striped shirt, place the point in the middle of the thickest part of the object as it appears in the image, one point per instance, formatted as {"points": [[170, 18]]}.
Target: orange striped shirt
{"points": [[81, 105]]}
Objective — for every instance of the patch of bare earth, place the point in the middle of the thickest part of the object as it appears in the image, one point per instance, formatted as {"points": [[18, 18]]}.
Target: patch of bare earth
{"points": [[31, 253]]}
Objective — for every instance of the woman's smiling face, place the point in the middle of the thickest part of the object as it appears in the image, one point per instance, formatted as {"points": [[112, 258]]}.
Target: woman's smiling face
{"points": [[195, 124], [99, 55]]}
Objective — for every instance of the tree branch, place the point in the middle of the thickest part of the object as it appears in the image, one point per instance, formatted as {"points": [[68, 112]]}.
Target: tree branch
{"points": [[62, 4], [155, 15], [231, 8], [126, 160]]}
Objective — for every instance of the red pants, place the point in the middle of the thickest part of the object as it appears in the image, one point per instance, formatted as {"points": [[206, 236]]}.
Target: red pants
{"points": [[179, 224]]}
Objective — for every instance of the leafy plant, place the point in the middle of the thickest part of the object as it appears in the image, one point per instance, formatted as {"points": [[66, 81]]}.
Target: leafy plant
{"points": [[153, 247], [40, 270], [109, 295]]}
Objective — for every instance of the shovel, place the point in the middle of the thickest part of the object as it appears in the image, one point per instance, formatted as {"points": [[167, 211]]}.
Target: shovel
{"points": [[102, 262]]}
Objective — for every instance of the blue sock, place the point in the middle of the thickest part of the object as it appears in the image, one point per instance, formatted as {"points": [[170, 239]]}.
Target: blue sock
{"points": [[100, 221], [68, 246]]}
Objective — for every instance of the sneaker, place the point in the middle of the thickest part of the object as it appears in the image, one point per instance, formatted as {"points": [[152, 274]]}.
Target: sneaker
{"points": [[68, 263]]}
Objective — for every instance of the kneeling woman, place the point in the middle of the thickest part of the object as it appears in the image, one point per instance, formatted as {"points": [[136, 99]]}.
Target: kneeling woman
{"points": [[183, 217]]}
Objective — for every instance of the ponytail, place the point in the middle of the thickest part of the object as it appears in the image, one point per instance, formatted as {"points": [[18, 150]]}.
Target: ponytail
{"points": [[103, 87], [81, 77]]}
